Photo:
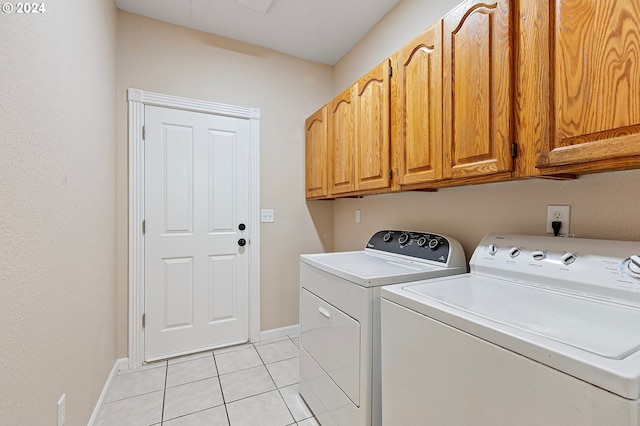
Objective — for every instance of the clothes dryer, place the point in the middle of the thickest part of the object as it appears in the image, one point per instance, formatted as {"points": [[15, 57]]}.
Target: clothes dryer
{"points": [[340, 318]]}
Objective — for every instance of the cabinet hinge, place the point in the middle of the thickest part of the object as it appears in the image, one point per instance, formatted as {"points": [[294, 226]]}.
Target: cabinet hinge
{"points": [[144, 320], [144, 133], [390, 173], [390, 71], [144, 226], [514, 150]]}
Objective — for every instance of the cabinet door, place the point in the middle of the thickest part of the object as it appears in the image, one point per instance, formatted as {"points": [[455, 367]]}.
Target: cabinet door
{"points": [[417, 108], [316, 154], [341, 144], [595, 90], [373, 129], [477, 90]]}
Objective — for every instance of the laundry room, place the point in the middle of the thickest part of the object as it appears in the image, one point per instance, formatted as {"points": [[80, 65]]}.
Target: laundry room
{"points": [[72, 187]]}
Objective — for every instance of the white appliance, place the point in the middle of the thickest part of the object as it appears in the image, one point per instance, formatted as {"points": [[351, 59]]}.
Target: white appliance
{"points": [[542, 331], [340, 318]]}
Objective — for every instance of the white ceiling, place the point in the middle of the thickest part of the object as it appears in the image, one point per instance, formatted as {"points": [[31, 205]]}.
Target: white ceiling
{"points": [[319, 30]]}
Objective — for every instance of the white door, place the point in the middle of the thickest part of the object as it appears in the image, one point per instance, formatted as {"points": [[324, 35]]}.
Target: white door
{"points": [[196, 207]]}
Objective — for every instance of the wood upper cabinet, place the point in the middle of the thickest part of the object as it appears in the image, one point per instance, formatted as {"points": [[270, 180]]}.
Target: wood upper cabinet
{"points": [[417, 109], [341, 143], [477, 74], [594, 93], [316, 154], [372, 132]]}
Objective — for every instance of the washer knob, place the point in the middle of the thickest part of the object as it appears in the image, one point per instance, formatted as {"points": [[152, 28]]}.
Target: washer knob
{"points": [[633, 266], [422, 241], [514, 252], [433, 244], [404, 237], [568, 258], [387, 237], [539, 255], [493, 249]]}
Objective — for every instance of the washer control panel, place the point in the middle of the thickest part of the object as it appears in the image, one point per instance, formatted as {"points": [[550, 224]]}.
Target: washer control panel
{"points": [[607, 269], [421, 245]]}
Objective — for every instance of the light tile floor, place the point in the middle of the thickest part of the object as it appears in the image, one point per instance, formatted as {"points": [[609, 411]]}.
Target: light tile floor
{"points": [[250, 384]]}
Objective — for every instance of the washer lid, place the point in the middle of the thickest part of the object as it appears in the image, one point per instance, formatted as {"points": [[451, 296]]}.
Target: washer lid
{"points": [[371, 269], [605, 329]]}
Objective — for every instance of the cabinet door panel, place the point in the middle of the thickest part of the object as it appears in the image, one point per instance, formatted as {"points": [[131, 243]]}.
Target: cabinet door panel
{"points": [[477, 90], [595, 70], [417, 108], [316, 154], [341, 143], [372, 129]]}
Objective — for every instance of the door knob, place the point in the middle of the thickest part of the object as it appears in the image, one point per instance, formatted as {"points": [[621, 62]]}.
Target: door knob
{"points": [[242, 242]]}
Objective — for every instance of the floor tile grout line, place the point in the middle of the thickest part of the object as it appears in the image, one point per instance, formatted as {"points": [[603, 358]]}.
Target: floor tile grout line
{"points": [[164, 394], [224, 401], [132, 396], [193, 381], [284, 401]]}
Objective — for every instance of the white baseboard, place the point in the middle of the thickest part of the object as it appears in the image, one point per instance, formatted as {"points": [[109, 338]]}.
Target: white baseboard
{"points": [[120, 364], [274, 333]]}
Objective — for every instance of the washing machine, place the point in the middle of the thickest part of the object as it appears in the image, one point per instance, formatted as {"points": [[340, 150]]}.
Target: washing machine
{"points": [[340, 318], [542, 331]]}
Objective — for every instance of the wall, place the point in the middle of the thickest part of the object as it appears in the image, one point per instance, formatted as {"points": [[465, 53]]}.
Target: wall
{"points": [[601, 205], [405, 21], [57, 210], [160, 57]]}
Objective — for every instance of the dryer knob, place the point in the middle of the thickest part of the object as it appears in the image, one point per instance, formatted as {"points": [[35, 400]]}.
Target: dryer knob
{"points": [[387, 237], [433, 244], [422, 241], [493, 249], [403, 238], [514, 252]]}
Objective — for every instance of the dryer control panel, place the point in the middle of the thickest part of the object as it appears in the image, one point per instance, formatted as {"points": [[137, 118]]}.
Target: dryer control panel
{"points": [[421, 245]]}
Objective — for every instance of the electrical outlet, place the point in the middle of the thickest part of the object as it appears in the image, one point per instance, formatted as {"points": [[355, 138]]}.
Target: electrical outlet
{"points": [[266, 215], [561, 214], [62, 410], [357, 215]]}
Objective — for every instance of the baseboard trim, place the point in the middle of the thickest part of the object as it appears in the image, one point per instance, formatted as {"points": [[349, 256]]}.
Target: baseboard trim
{"points": [[274, 333], [120, 364]]}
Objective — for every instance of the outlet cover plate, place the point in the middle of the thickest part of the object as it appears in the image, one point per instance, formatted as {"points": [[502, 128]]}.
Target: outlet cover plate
{"points": [[267, 215], [561, 213]]}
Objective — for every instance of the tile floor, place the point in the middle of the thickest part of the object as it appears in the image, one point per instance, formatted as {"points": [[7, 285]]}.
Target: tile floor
{"points": [[250, 384]]}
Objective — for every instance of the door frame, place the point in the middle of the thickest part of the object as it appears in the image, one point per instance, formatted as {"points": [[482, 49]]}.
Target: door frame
{"points": [[137, 100]]}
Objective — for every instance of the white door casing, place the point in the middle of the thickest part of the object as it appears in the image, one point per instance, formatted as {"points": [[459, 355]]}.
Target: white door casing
{"points": [[187, 306]]}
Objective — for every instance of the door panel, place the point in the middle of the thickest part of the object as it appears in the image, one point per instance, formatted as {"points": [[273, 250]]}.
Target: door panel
{"points": [[595, 65], [477, 88], [373, 149], [196, 195], [177, 293], [341, 143], [417, 107], [316, 185], [178, 181]]}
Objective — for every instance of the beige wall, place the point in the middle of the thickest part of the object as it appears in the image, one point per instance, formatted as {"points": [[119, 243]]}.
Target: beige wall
{"points": [[164, 58], [602, 205], [399, 26], [57, 210]]}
